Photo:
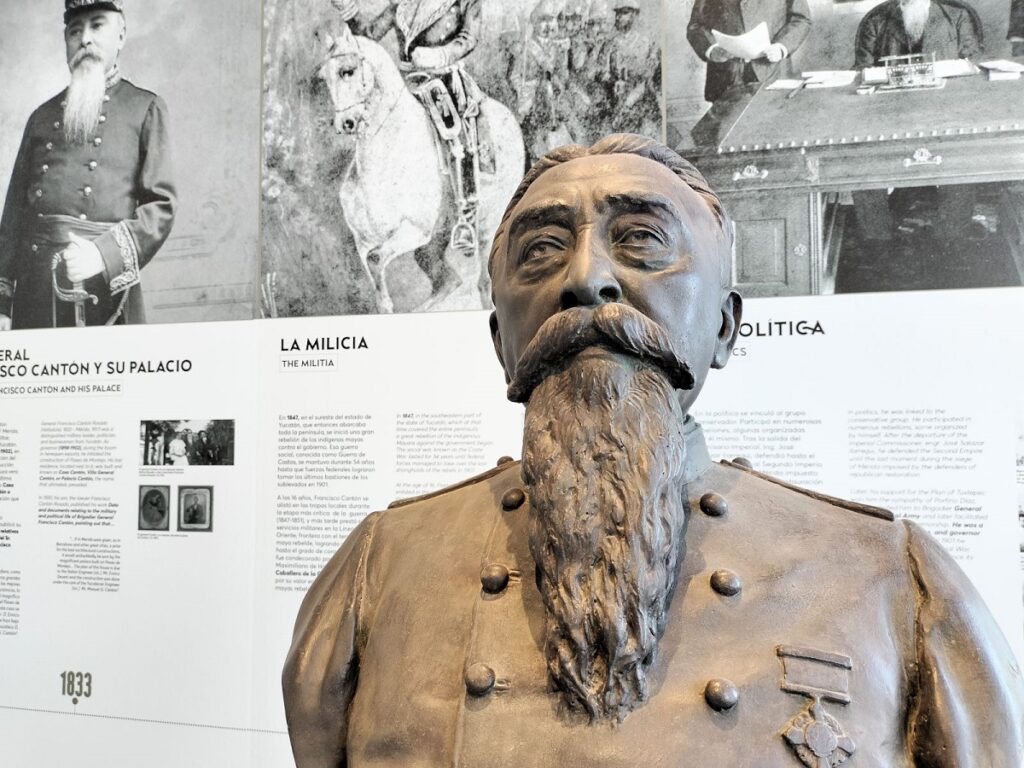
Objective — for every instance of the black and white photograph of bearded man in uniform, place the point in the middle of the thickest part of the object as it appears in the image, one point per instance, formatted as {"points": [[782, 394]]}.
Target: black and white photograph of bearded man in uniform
{"points": [[396, 130], [129, 170]]}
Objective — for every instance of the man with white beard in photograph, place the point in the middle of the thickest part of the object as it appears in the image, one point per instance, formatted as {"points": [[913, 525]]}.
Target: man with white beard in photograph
{"points": [[949, 29], [91, 198]]}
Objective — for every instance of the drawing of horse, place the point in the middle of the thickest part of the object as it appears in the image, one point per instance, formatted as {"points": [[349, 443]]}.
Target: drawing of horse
{"points": [[396, 195]]}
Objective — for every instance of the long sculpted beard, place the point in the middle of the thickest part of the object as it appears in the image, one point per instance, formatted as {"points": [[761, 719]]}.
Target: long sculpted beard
{"points": [[603, 461], [84, 99], [915, 16]]}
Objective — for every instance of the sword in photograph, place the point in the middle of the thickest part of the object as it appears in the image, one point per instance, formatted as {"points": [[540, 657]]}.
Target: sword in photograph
{"points": [[77, 295]]}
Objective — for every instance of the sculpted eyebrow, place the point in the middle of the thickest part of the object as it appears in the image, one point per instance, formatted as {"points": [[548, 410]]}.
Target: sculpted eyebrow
{"points": [[643, 203], [541, 215]]}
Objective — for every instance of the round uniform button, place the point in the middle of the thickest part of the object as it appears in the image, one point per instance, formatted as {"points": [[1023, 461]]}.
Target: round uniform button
{"points": [[56, 124], [726, 583], [87, 191], [743, 462], [92, 165], [39, 193], [494, 578], [479, 679], [713, 504], [103, 118], [513, 499], [97, 141], [721, 694], [35, 248], [49, 146], [45, 168], [106, 97], [82, 216], [504, 460]]}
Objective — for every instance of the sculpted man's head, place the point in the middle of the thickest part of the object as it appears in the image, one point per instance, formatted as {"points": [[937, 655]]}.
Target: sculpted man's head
{"points": [[611, 285], [627, 225], [94, 34]]}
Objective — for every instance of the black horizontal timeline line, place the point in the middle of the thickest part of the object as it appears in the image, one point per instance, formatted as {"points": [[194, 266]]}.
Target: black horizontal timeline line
{"points": [[75, 713]]}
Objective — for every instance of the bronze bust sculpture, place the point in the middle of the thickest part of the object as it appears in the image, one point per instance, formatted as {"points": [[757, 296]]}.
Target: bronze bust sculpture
{"points": [[616, 599]]}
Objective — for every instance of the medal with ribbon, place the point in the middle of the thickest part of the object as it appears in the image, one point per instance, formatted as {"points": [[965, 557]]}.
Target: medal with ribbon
{"points": [[816, 737]]}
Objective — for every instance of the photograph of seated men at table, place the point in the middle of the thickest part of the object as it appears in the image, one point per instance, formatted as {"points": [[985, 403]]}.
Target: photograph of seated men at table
{"points": [[864, 145]]}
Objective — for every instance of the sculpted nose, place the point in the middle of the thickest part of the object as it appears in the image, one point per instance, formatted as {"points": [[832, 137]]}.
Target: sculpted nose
{"points": [[590, 280]]}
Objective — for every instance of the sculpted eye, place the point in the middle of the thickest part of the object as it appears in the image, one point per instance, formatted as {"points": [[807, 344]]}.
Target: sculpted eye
{"points": [[541, 249], [640, 237], [346, 73]]}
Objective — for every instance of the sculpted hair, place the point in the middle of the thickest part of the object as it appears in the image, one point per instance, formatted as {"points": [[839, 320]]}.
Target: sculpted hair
{"points": [[624, 144]]}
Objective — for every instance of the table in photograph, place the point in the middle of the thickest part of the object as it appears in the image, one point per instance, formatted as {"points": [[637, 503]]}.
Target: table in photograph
{"points": [[778, 162]]}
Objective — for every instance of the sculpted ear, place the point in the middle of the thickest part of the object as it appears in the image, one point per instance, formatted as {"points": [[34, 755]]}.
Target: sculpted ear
{"points": [[496, 340], [732, 314]]}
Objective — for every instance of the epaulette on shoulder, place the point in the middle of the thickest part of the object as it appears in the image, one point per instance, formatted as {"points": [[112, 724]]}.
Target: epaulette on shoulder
{"points": [[853, 506], [464, 483]]}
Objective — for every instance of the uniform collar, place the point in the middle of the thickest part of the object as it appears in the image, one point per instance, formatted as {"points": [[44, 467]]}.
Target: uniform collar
{"points": [[113, 76], [697, 457]]}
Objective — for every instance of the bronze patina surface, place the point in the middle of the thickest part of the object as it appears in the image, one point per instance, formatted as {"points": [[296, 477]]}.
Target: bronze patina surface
{"points": [[615, 598]]}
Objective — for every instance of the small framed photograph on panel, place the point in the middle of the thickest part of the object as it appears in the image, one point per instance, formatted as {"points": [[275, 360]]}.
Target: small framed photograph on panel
{"points": [[195, 508], [154, 507]]}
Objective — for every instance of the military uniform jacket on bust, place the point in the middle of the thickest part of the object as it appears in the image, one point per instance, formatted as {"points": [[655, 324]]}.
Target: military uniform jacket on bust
{"points": [[121, 177], [825, 631]]}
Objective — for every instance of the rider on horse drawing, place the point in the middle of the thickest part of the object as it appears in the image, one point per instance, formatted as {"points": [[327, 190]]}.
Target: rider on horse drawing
{"points": [[434, 36]]}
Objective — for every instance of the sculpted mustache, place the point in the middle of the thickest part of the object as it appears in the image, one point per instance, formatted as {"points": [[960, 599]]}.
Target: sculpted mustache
{"points": [[616, 326]]}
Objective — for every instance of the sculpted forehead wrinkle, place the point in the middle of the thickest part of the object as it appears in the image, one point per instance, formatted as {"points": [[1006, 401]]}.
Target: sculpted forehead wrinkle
{"points": [[598, 178]]}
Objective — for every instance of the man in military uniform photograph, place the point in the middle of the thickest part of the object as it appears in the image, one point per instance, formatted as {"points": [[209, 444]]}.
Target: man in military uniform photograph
{"points": [[634, 59], [595, 74], [572, 23], [615, 598], [91, 198], [541, 79]]}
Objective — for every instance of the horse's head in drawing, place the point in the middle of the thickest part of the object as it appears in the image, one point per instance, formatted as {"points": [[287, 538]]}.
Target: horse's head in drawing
{"points": [[350, 80]]}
